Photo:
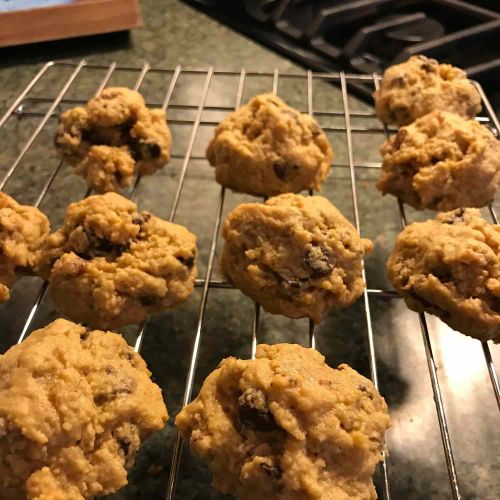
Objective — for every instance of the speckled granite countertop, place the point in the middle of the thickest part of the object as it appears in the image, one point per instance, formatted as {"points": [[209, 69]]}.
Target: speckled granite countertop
{"points": [[175, 34]]}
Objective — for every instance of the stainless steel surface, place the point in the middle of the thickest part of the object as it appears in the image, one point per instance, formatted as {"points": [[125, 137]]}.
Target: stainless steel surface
{"points": [[20, 108]]}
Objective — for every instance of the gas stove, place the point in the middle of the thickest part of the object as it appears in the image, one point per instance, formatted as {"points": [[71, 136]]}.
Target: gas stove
{"points": [[367, 36]]}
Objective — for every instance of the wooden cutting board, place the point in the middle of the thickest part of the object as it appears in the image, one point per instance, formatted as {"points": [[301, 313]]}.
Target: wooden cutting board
{"points": [[65, 19]]}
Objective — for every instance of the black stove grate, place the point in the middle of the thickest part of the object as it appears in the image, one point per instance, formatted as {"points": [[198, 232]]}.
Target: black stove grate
{"points": [[367, 36]]}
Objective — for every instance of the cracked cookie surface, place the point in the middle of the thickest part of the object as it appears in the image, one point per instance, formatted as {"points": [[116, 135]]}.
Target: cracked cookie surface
{"points": [[75, 405], [111, 265], [441, 161], [420, 85], [112, 138], [23, 231], [295, 255], [286, 426], [450, 267], [267, 148]]}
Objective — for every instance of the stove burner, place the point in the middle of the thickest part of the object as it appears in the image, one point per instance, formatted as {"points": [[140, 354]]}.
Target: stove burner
{"points": [[370, 35], [420, 31]]}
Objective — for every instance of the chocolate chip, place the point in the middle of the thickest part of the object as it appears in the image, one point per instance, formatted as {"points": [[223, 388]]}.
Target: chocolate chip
{"points": [[124, 444], [363, 388], [399, 82], [89, 135], [145, 151], [108, 249], [494, 303], [134, 151], [188, 262], [456, 217], [273, 471], [98, 136], [407, 169], [124, 386], [147, 300], [154, 151], [101, 247], [320, 261], [427, 67], [254, 413], [442, 273], [287, 281], [398, 139], [292, 283], [125, 127], [141, 219], [85, 334], [401, 111], [284, 171]]}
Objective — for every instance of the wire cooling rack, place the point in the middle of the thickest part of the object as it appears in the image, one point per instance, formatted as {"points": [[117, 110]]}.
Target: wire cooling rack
{"points": [[30, 122]]}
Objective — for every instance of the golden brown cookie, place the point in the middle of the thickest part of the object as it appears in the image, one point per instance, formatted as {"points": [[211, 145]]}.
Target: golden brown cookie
{"points": [[295, 255], [112, 138], [75, 405], [441, 161], [112, 265], [23, 231], [420, 85], [287, 426], [450, 267], [267, 148], [107, 168]]}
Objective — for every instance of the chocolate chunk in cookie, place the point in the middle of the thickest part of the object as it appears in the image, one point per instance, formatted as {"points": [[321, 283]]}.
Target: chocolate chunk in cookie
{"points": [[73, 412], [267, 148], [286, 425], [294, 255], [320, 260], [253, 411], [420, 85], [450, 267]]}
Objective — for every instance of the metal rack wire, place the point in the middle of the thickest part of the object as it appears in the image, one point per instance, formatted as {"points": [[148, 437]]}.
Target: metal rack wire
{"points": [[20, 107]]}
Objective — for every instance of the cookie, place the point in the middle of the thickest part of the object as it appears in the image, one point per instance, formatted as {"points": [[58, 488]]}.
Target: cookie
{"points": [[106, 168], [112, 138], [75, 405], [23, 231], [295, 255], [420, 85], [111, 265], [287, 426], [267, 148], [441, 161], [450, 267]]}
